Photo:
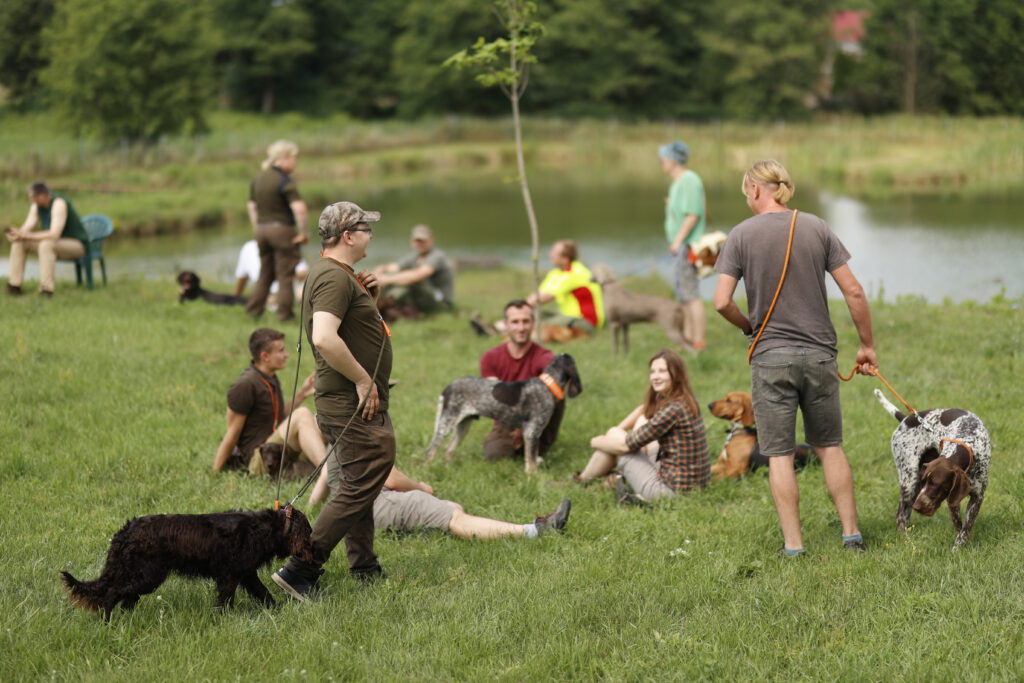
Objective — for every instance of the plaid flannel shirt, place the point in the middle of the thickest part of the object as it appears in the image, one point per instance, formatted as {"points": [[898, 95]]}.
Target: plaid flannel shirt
{"points": [[683, 446]]}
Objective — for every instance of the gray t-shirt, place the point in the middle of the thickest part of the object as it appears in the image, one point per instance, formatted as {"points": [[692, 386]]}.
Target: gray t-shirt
{"points": [[755, 252], [443, 278]]}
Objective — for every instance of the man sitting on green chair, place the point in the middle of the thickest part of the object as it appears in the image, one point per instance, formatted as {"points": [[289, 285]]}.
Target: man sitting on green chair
{"points": [[62, 236]]}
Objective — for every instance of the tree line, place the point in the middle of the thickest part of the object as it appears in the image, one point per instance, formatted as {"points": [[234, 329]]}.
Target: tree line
{"points": [[142, 68]]}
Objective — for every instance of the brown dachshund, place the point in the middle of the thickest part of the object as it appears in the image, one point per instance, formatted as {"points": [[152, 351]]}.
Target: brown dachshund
{"points": [[740, 453]]}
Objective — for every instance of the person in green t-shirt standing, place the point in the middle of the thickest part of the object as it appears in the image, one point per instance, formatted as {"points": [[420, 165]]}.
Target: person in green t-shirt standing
{"points": [[685, 220], [62, 236]]}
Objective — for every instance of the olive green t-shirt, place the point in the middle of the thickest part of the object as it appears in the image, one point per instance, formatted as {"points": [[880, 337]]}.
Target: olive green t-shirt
{"points": [[273, 190], [332, 288]]}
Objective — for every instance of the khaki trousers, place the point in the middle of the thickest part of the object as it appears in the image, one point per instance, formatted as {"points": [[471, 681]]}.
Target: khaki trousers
{"points": [[49, 251], [278, 257]]}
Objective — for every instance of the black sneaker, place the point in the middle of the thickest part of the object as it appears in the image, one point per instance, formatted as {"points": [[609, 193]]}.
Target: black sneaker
{"points": [[296, 585], [556, 520], [855, 544], [624, 495], [13, 290]]}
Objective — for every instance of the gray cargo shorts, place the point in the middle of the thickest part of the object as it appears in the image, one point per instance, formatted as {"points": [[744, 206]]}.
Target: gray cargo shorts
{"points": [[405, 510], [784, 379]]}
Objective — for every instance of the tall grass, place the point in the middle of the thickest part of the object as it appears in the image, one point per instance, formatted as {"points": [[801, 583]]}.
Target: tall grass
{"points": [[113, 405], [188, 182]]}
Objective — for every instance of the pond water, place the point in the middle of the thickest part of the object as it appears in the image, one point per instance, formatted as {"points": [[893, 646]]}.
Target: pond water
{"points": [[935, 248]]}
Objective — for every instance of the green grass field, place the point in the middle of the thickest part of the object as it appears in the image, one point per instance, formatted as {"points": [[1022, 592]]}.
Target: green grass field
{"points": [[113, 405]]}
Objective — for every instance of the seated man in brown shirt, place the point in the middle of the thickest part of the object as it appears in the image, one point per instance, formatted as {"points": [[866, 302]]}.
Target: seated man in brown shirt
{"points": [[257, 413]]}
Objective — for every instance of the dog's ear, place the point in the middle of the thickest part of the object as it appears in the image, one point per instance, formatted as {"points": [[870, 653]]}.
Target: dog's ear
{"points": [[747, 415], [575, 385], [961, 487]]}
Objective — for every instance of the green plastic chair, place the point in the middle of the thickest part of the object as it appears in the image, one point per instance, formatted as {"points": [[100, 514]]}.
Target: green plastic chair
{"points": [[99, 227]]}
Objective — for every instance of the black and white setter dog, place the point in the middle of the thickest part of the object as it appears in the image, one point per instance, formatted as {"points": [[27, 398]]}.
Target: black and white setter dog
{"points": [[192, 289], [225, 546], [940, 455], [528, 405]]}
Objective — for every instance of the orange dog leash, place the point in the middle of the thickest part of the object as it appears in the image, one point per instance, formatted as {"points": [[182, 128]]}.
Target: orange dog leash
{"points": [[876, 373], [782, 279]]}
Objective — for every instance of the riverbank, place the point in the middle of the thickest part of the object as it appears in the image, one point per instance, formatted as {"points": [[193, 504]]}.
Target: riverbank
{"points": [[125, 420], [183, 184]]}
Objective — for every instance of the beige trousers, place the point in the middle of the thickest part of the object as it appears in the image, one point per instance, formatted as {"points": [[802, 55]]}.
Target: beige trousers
{"points": [[49, 251]]}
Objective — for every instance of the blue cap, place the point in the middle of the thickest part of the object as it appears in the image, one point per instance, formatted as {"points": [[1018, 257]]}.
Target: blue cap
{"points": [[676, 151]]}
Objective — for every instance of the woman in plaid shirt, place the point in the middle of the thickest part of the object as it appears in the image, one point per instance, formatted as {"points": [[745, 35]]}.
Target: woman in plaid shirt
{"points": [[666, 451]]}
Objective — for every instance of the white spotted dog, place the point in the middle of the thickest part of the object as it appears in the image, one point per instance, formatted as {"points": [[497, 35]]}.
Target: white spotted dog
{"points": [[528, 404], [940, 455]]}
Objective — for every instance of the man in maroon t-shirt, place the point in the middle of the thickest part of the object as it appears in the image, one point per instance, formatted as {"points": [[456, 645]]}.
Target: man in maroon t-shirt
{"points": [[515, 360]]}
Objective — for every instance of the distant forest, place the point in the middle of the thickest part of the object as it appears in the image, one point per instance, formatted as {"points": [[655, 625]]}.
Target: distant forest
{"points": [[158, 64]]}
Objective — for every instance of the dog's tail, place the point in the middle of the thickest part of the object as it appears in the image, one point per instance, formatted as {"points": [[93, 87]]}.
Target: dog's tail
{"points": [[85, 594], [887, 404]]}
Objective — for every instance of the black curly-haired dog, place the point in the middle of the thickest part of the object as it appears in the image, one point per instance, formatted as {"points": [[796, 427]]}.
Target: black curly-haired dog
{"points": [[225, 546], [191, 289]]}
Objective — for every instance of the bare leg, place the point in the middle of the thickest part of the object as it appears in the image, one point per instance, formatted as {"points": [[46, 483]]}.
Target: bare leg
{"points": [[470, 527], [320, 488], [305, 436], [786, 494], [599, 465], [839, 481]]}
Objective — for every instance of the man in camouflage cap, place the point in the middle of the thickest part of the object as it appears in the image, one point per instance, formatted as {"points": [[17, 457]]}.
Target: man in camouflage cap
{"points": [[352, 347]]}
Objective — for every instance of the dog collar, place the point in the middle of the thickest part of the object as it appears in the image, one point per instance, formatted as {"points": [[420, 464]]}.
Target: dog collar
{"points": [[552, 385], [970, 451], [734, 427]]}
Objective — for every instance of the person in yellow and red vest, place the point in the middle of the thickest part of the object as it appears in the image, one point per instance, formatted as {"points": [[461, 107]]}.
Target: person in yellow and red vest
{"points": [[569, 285]]}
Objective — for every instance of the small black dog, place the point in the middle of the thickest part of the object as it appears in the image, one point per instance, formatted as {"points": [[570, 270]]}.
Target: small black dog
{"points": [[225, 546], [191, 289]]}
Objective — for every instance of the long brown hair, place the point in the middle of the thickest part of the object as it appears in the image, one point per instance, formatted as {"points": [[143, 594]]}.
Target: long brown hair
{"points": [[679, 388]]}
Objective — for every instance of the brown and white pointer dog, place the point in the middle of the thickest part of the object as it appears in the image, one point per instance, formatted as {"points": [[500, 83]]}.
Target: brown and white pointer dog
{"points": [[740, 453], [940, 455]]}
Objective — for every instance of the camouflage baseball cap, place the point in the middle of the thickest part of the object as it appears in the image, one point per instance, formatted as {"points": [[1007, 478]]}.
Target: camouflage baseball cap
{"points": [[422, 232], [342, 216]]}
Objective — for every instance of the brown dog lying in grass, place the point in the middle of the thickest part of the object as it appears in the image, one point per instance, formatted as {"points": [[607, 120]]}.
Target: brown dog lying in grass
{"points": [[740, 453]]}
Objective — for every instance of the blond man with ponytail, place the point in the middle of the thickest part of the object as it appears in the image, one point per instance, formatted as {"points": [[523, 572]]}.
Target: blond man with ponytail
{"points": [[793, 362], [278, 215]]}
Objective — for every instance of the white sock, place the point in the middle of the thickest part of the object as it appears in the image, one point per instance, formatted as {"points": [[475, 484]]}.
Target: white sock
{"points": [[530, 531]]}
